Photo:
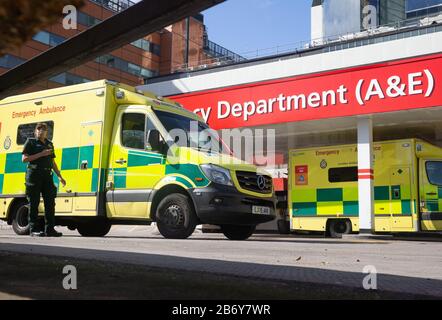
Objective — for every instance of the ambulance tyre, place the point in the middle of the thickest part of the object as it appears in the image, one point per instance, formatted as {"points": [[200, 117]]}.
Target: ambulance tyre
{"points": [[338, 227], [20, 218], [235, 232], [176, 218], [97, 228], [283, 226]]}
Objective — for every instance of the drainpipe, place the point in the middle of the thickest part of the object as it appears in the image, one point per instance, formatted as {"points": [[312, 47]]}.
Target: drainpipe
{"points": [[186, 54]]}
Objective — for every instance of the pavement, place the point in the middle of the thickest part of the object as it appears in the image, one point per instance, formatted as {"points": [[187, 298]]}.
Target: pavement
{"points": [[412, 266], [8, 296]]}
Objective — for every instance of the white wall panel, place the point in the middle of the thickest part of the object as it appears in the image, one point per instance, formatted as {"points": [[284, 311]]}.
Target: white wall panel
{"points": [[386, 51]]}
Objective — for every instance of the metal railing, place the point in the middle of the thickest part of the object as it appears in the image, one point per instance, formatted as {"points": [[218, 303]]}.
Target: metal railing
{"points": [[114, 5], [402, 29], [391, 27], [215, 50]]}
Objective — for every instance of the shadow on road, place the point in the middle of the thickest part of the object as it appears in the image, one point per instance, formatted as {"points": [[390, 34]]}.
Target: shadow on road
{"points": [[254, 239], [324, 280]]}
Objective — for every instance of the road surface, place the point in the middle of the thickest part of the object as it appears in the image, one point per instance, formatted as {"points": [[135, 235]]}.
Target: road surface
{"points": [[403, 266]]}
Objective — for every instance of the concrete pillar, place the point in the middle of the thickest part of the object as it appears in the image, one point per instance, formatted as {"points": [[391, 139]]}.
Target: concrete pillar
{"points": [[365, 175]]}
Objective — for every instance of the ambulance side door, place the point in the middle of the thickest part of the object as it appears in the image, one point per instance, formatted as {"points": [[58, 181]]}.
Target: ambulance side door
{"points": [[401, 199], [430, 192], [134, 167], [89, 165]]}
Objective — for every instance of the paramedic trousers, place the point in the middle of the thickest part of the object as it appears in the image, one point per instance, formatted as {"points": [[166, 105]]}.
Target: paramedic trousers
{"points": [[39, 181]]}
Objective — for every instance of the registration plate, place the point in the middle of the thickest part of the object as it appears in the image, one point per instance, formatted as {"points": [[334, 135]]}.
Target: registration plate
{"points": [[260, 210]]}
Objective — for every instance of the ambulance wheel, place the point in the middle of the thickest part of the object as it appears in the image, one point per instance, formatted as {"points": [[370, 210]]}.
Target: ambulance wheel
{"points": [[98, 228], [283, 227], [20, 219], [338, 227], [233, 232], [175, 216]]}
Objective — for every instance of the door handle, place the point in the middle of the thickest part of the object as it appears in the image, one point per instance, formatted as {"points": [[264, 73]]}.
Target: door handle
{"points": [[83, 165], [121, 161], [431, 194]]}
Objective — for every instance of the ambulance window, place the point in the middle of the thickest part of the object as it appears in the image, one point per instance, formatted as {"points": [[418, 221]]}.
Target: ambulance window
{"points": [[154, 140], [344, 174], [132, 134], [26, 131], [434, 172]]}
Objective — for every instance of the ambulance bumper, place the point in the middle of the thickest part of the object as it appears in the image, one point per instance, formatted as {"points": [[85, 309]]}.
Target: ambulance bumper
{"points": [[218, 205]]}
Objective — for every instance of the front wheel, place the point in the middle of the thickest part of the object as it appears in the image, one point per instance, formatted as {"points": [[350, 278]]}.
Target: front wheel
{"points": [[175, 216], [94, 228], [233, 232]]}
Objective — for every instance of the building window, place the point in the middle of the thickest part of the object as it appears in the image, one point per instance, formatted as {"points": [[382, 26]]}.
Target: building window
{"points": [[87, 20], [419, 4], [147, 46], [137, 43], [344, 174], [110, 62], [115, 5], [48, 38], [9, 61], [422, 8], [434, 172], [66, 78], [123, 65], [55, 40], [42, 37], [155, 49], [26, 131], [148, 73]]}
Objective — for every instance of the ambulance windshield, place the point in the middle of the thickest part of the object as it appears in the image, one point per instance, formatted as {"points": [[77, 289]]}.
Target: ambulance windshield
{"points": [[188, 132]]}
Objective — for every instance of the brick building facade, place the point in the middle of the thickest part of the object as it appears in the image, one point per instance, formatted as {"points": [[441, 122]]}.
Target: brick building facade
{"points": [[174, 48]]}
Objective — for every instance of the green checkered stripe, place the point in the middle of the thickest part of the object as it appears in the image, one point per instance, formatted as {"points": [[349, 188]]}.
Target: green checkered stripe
{"points": [[137, 159], [134, 159], [308, 202], [71, 159], [433, 203]]}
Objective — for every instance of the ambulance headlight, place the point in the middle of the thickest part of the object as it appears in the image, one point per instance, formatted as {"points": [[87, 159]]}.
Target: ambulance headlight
{"points": [[217, 174]]}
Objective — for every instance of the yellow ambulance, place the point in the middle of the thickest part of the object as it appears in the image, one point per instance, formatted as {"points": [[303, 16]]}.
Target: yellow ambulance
{"points": [[114, 148], [323, 188]]}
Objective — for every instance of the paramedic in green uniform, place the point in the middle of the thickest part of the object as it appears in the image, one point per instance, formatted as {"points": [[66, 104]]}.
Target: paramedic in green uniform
{"points": [[38, 152]]}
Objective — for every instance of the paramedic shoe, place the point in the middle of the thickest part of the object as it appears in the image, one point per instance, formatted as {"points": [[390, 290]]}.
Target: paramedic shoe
{"points": [[37, 234], [53, 233]]}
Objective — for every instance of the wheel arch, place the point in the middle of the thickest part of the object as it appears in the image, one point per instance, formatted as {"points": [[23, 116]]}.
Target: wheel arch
{"points": [[167, 189], [12, 206], [330, 220]]}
